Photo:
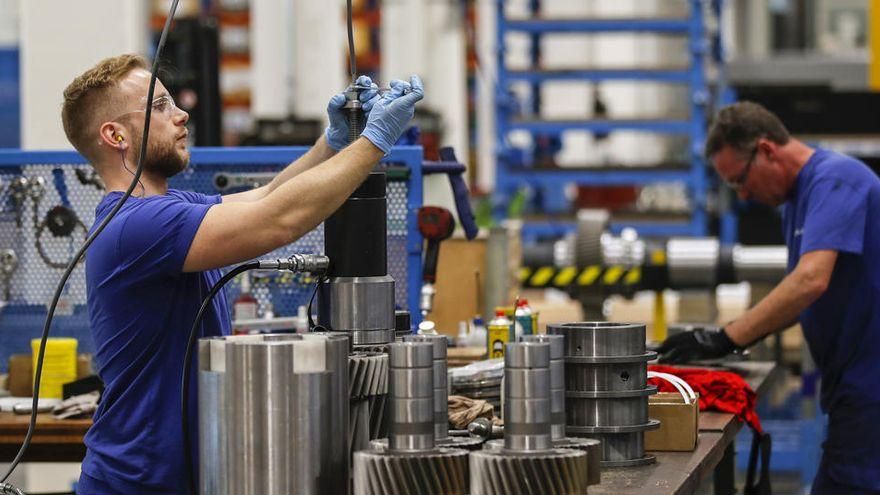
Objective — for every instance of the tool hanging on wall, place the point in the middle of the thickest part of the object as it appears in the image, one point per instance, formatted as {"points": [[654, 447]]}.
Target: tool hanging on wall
{"points": [[435, 224], [8, 264], [89, 177], [60, 220], [18, 191]]}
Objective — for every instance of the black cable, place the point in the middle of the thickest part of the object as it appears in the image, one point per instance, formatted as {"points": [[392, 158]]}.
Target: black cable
{"points": [[313, 327], [187, 359], [125, 166], [351, 60], [38, 371]]}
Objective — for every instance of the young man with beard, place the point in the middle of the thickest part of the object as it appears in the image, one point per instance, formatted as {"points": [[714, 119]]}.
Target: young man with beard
{"points": [[148, 271], [831, 224]]}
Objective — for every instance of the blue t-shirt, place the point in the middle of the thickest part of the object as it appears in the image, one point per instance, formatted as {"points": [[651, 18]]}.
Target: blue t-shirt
{"points": [[142, 307], [835, 205]]}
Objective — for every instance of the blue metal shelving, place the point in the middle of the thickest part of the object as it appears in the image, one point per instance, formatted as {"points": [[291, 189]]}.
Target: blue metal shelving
{"points": [[512, 174]]}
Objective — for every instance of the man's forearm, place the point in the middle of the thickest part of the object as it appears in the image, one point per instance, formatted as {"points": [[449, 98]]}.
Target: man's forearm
{"points": [[777, 311], [318, 153]]}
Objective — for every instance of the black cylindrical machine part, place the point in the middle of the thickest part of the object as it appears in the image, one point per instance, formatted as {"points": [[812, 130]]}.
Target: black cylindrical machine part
{"points": [[355, 236]]}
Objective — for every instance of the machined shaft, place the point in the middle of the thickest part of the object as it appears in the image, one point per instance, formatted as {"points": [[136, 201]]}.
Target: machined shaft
{"points": [[411, 394], [527, 396], [557, 381], [441, 397]]}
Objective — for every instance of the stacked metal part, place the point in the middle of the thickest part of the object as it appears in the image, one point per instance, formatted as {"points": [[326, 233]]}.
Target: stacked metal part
{"points": [[591, 446], [359, 296], [441, 395], [606, 388], [409, 461], [273, 414], [358, 299], [525, 461]]}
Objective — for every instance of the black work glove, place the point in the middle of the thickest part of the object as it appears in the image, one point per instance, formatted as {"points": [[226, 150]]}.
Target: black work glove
{"points": [[703, 342]]}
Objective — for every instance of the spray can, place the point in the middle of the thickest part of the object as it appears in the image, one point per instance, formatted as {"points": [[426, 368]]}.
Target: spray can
{"points": [[523, 319], [498, 335]]}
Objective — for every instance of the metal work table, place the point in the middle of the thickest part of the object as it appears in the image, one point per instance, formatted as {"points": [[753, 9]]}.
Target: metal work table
{"points": [[684, 472], [54, 440]]}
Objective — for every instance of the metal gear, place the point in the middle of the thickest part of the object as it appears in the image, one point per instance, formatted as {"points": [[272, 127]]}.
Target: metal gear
{"points": [[591, 223], [435, 472], [593, 448], [367, 374], [368, 393], [550, 472]]}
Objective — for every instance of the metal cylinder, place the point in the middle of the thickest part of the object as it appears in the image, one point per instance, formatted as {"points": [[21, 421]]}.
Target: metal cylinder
{"points": [[527, 396], [411, 395], [557, 381], [601, 339], [359, 296], [759, 263], [606, 389], [281, 414], [362, 307], [441, 402], [693, 262], [355, 236]]}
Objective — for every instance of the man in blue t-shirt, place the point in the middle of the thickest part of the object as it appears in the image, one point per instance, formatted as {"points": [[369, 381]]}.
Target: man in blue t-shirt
{"points": [[831, 218], [148, 271]]}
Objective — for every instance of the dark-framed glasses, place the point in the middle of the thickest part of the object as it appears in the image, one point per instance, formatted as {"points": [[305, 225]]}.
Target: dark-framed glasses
{"points": [[737, 183]]}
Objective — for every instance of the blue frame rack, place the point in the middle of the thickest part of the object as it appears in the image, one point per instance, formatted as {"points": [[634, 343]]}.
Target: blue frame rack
{"points": [[512, 175], [411, 157]]}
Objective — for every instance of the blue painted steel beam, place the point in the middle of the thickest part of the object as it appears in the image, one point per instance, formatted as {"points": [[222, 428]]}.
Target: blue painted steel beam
{"points": [[602, 126], [646, 25], [599, 75]]}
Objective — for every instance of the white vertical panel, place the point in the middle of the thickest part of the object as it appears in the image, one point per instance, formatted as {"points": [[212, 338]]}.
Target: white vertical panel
{"points": [[320, 46], [271, 58], [60, 40], [486, 79]]}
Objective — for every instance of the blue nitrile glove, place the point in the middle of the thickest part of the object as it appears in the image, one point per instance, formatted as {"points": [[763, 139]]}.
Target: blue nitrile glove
{"points": [[337, 131], [392, 111]]}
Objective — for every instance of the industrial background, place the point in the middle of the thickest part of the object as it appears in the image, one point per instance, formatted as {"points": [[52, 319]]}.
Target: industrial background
{"points": [[578, 128]]}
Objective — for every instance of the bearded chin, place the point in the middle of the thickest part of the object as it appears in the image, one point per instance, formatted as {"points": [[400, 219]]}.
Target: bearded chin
{"points": [[166, 162]]}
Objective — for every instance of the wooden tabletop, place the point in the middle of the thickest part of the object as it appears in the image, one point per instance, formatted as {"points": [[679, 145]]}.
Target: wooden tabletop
{"points": [[684, 472], [54, 440]]}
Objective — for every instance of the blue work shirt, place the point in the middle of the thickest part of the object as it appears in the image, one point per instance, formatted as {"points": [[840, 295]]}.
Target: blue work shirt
{"points": [[835, 205], [141, 308]]}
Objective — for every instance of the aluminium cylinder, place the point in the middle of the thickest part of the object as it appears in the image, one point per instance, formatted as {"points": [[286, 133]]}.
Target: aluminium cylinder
{"points": [[411, 396], [281, 414], [557, 381], [440, 386], [527, 396]]}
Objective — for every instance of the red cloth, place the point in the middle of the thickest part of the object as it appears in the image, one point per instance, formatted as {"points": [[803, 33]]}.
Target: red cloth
{"points": [[719, 391]]}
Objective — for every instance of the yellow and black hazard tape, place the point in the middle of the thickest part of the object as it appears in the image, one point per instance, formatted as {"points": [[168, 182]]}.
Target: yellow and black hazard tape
{"points": [[593, 275]]}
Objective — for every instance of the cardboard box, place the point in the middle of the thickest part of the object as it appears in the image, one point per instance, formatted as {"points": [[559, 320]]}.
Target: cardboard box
{"points": [[678, 423], [21, 370]]}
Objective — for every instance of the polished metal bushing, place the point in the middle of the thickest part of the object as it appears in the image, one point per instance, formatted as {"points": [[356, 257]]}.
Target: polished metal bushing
{"points": [[273, 414], [606, 390], [557, 381], [441, 403], [527, 396], [364, 308], [411, 395]]}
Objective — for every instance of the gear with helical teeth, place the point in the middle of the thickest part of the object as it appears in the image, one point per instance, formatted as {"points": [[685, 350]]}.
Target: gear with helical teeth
{"points": [[550, 472], [367, 374], [434, 472]]}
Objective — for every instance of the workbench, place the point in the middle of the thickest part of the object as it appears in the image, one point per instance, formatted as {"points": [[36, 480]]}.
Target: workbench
{"points": [[54, 440], [684, 472], [673, 473]]}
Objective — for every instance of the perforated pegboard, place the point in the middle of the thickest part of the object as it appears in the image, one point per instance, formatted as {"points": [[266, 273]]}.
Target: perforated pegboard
{"points": [[33, 282]]}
